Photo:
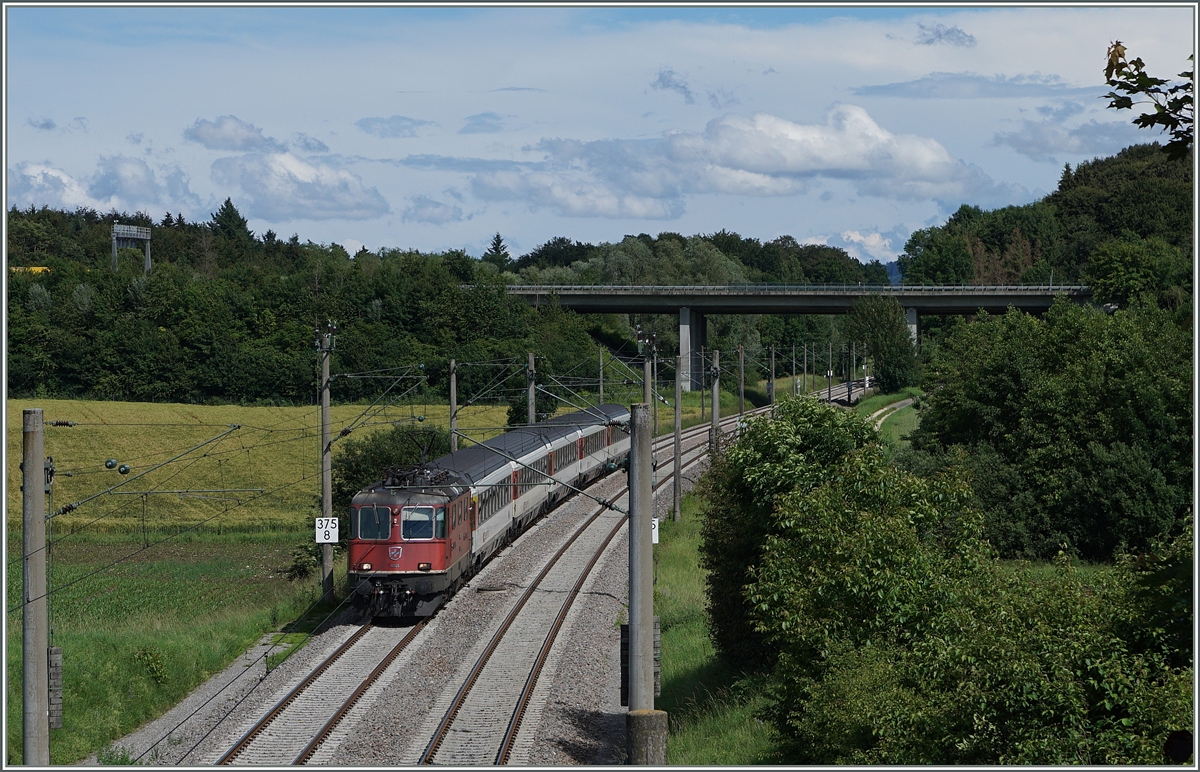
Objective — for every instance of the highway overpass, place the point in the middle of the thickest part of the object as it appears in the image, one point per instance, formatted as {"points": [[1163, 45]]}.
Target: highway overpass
{"points": [[694, 303]]}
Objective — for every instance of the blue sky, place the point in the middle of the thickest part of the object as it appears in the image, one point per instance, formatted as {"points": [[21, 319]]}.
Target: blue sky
{"points": [[434, 128]]}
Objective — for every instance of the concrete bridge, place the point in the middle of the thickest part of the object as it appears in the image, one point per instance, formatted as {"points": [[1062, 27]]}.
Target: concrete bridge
{"points": [[694, 303]]}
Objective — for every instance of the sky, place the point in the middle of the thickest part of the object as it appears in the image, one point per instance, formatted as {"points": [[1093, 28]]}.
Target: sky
{"points": [[436, 128]]}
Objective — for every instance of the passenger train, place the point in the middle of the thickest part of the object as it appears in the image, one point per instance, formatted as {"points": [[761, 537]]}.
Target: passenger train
{"points": [[421, 532]]}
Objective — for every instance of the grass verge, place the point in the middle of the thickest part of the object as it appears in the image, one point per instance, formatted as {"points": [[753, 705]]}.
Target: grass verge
{"points": [[879, 401], [139, 635], [897, 426], [711, 707]]}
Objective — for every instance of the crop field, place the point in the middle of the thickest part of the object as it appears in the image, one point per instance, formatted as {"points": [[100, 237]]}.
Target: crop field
{"points": [[214, 468]]}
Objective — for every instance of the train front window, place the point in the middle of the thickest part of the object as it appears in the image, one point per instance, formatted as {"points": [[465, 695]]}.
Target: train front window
{"points": [[439, 523], [373, 523], [417, 523]]}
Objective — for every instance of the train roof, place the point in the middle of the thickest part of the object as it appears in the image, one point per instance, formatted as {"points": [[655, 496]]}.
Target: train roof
{"points": [[478, 461]]}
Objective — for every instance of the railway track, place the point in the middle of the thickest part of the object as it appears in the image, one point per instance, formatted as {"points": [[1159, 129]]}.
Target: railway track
{"points": [[298, 724], [481, 722]]}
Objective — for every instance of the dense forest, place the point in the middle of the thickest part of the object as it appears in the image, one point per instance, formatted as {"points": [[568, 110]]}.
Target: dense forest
{"points": [[226, 315]]}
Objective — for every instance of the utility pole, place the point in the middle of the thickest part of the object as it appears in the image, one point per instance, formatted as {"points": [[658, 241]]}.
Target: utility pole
{"points": [[325, 345], [646, 728], [715, 434], [829, 373], [772, 394], [678, 438], [654, 384], [806, 368], [850, 378], [35, 623], [601, 397], [793, 369], [741, 380], [530, 400], [703, 383], [647, 391], [453, 406]]}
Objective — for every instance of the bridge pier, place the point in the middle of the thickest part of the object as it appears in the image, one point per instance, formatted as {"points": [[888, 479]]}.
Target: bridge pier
{"points": [[691, 338], [910, 315]]}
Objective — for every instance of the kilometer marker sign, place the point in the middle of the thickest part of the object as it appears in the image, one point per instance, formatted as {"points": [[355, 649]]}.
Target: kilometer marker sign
{"points": [[327, 530]]}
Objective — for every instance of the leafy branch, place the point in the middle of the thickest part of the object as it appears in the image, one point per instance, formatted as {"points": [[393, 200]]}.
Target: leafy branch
{"points": [[1173, 103]]}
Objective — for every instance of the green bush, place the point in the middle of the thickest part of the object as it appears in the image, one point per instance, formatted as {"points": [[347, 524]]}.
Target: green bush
{"points": [[795, 451], [896, 637]]}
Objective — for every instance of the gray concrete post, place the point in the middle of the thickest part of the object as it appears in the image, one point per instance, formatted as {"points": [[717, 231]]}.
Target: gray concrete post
{"points": [[646, 738], [703, 383], [35, 622], [829, 373], [600, 399], [772, 394], [679, 376], [530, 397], [453, 406], [715, 433], [647, 377], [641, 561], [741, 380], [326, 465]]}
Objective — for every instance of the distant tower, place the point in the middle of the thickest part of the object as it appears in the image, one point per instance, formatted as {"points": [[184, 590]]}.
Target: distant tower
{"points": [[129, 236]]}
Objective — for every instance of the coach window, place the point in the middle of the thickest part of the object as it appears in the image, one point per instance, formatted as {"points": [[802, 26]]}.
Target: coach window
{"points": [[417, 523], [373, 523]]}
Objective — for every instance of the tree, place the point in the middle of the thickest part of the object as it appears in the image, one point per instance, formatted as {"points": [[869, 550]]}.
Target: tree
{"points": [[879, 322], [497, 253], [228, 222], [1173, 104]]}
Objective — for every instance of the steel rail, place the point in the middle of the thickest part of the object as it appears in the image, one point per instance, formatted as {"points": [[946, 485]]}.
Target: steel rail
{"points": [[274, 712], [353, 699], [514, 726], [460, 697]]}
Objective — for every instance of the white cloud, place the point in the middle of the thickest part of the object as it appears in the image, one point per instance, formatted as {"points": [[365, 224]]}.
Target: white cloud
{"points": [[228, 132], [940, 33], [483, 123], [874, 244], [761, 155], [283, 186], [424, 209], [387, 128], [1044, 140], [668, 81], [310, 144], [40, 184], [124, 179]]}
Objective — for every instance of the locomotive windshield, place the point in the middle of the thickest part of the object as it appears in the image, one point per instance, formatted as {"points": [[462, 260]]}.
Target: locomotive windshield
{"points": [[371, 522], [423, 523]]}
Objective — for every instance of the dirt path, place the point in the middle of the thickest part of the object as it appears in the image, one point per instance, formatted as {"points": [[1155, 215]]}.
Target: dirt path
{"points": [[879, 416]]}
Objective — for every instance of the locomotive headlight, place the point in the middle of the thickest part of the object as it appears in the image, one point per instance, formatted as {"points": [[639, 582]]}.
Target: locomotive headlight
{"points": [[364, 566], [424, 566]]}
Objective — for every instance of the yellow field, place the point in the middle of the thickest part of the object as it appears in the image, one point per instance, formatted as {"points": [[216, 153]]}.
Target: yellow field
{"points": [[273, 457]]}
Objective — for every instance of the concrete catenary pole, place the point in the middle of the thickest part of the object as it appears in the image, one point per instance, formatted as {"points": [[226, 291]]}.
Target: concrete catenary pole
{"points": [[646, 728], [772, 394], [793, 369], [453, 406], [703, 384], [530, 400], [601, 397], [647, 377], [35, 623], [327, 342], [678, 438], [850, 379], [829, 373], [715, 434], [741, 379]]}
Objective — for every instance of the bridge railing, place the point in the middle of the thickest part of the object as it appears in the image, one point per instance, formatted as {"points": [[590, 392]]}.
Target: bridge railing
{"points": [[723, 289]]}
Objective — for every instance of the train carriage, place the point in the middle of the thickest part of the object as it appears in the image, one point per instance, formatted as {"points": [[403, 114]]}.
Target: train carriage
{"points": [[418, 534]]}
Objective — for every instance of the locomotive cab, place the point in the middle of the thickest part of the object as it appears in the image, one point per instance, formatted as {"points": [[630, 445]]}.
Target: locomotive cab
{"points": [[402, 545]]}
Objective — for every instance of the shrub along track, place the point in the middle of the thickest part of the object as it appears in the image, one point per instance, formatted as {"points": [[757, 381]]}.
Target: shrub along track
{"points": [[295, 727]]}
